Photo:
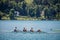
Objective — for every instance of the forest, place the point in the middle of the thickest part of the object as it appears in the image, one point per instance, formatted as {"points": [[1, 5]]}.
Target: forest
{"points": [[29, 9]]}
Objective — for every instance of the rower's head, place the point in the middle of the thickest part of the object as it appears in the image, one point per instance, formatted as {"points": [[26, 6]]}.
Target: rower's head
{"points": [[24, 28], [15, 27], [31, 28]]}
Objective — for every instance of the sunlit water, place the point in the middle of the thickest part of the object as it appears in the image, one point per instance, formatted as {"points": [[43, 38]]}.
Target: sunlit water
{"points": [[6, 28]]}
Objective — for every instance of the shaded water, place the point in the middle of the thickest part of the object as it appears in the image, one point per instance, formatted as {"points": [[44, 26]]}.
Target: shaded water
{"points": [[7, 26]]}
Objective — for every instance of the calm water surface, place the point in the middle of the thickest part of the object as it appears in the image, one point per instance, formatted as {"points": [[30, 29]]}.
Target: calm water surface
{"points": [[6, 28]]}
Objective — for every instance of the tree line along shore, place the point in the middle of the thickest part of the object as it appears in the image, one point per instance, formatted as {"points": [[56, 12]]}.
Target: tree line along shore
{"points": [[29, 9]]}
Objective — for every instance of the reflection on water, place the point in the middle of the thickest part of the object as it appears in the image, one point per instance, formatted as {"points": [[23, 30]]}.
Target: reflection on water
{"points": [[29, 36]]}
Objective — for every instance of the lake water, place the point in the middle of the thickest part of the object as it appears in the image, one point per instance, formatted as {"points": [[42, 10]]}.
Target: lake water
{"points": [[6, 28]]}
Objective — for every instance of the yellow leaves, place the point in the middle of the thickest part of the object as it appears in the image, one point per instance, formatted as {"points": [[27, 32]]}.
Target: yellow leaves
{"points": [[1, 13], [28, 1], [13, 3], [5, 18]]}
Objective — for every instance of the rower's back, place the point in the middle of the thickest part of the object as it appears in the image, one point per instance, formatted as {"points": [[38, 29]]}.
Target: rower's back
{"points": [[24, 30], [15, 30], [31, 30]]}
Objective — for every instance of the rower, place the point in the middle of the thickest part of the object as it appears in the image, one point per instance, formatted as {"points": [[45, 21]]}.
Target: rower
{"points": [[31, 30], [15, 30], [24, 30], [38, 30]]}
